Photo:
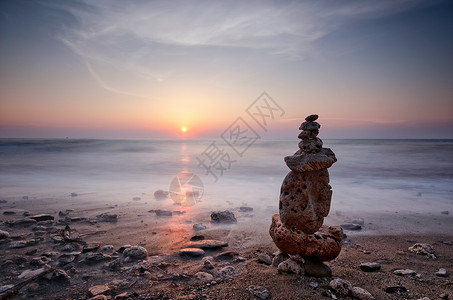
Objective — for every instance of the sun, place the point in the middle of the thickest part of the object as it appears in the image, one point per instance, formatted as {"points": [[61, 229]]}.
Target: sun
{"points": [[184, 129]]}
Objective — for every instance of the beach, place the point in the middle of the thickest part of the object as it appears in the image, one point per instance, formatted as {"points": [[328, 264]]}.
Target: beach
{"points": [[84, 217]]}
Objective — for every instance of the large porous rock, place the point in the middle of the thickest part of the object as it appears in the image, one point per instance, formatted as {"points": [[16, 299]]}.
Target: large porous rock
{"points": [[305, 199], [223, 217], [324, 245]]}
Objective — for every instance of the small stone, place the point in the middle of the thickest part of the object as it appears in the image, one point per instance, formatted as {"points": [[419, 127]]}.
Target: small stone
{"points": [[99, 289], [280, 257], [245, 209], [160, 194], [60, 275], [136, 198], [341, 286], [96, 257], [90, 248], [30, 273], [443, 296], [17, 244], [208, 244], [193, 252], [351, 226], [106, 217], [227, 255], [9, 212], [198, 227], [316, 268], [404, 272], [197, 238], [226, 272], [135, 252], [73, 194], [4, 234], [100, 297], [442, 273], [223, 217], [113, 265], [64, 259], [445, 212], [395, 289], [107, 249], [40, 261], [163, 213], [259, 291], [370, 266], [362, 294], [313, 285], [290, 266], [203, 276], [311, 118], [42, 217], [423, 249], [265, 259]]}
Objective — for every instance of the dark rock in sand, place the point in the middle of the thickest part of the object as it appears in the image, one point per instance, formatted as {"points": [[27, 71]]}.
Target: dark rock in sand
{"points": [[4, 235], [9, 212], [316, 268], [22, 222], [198, 227], [227, 255], [63, 214], [163, 213], [197, 238], [223, 217], [160, 194], [405, 272], [90, 248], [207, 244], [259, 291], [370, 266], [3, 201], [106, 217], [60, 276], [445, 212], [359, 221], [265, 259], [135, 252], [64, 259], [245, 209], [361, 294], [96, 257], [351, 226], [442, 273], [395, 289], [113, 265], [203, 276], [42, 217], [191, 252], [178, 212], [136, 198], [341, 286], [99, 289]]}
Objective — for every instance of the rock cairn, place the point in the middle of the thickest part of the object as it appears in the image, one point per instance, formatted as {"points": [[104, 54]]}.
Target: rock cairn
{"points": [[305, 201]]}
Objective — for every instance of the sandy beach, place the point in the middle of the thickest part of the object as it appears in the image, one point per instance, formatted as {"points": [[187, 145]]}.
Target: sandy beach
{"points": [[164, 274]]}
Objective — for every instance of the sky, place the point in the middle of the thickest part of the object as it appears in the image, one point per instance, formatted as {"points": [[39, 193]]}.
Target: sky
{"points": [[146, 69]]}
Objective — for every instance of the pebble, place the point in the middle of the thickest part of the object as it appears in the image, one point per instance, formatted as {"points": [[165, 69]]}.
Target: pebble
{"points": [[278, 258], [90, 248], [60, 275], [341, 286], [445, 212], [42, 217], [4, 235], [404, 272], [191, 252], [245, 209], [227, 255], [163, 213], [350, 226], [198, 227], [265, 259], [362, 294], [96, 257], [395, 289], [223, 217], [259, 291], [290, 266], [136, 198], [207, 244], [107, 249], [370, 266], [106, 217], [135, 252], [30, 273], [442, 272], [317, 268], [99, 289], [197, 238], [160, 194], [226, 272], [203, 276]]}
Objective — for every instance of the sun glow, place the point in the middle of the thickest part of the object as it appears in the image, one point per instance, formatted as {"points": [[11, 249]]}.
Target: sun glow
{"points": [[184, 129]]}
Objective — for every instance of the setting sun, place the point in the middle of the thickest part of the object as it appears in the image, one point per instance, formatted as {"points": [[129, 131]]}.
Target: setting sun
{"points": [[184, 129]]}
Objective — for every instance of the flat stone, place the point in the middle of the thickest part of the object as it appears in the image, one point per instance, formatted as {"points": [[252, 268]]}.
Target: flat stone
{"points": [[42, 217], [317, 268], [350, 226], [301, 161], [23, 222], [90, 248], [341, 286], [324, 245], [442, 273], [259, 291], [405, 272], [305, 200], [227, 255], [191, 252], [370, 266], [207, 244], [311, 118], [395, 289], [136, 252], [99, 289], [223, 217], [290, 266], [4, 235], [361, 294], [198, 227], [30, 273], [265, 259]]}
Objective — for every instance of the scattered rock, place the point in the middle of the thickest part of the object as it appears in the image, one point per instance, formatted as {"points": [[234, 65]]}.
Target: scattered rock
{"points": [[370, 266], [197, 238], [3, 201], [316, 268], [223, 217], [64, 259], [245, 209], [395, 289], [99, 289], [30, 273], [107, 249], [423, 249], [341, 286], [100, 297], [227, 255], [136, 198], [60, 276], [97, 257], [40, 261], [160, 194], [22, 222], [445, 212], [198, 227], [135, 252], [265, 259], [113, 265], [442, 273], [207, 262], [290, 266], [17, 244], [405, 272], [90, 248], [351, 226], [193, 252], [73, 194], [208, 244], [42, 217], [362, 294], [203, 276], [226, 272], [163, 213], [4, 234], [278, 258], [106, 217], [259, 291]]}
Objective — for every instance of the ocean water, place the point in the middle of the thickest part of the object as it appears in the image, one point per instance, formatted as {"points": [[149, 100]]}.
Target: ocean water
{"points": [[414, 176]]}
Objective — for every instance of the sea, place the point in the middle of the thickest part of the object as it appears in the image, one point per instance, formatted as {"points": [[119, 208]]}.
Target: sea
{"points": [[412, 176]]}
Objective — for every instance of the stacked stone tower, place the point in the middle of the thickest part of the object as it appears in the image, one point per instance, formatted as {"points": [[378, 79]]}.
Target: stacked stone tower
{"points": [[305, 200]]}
